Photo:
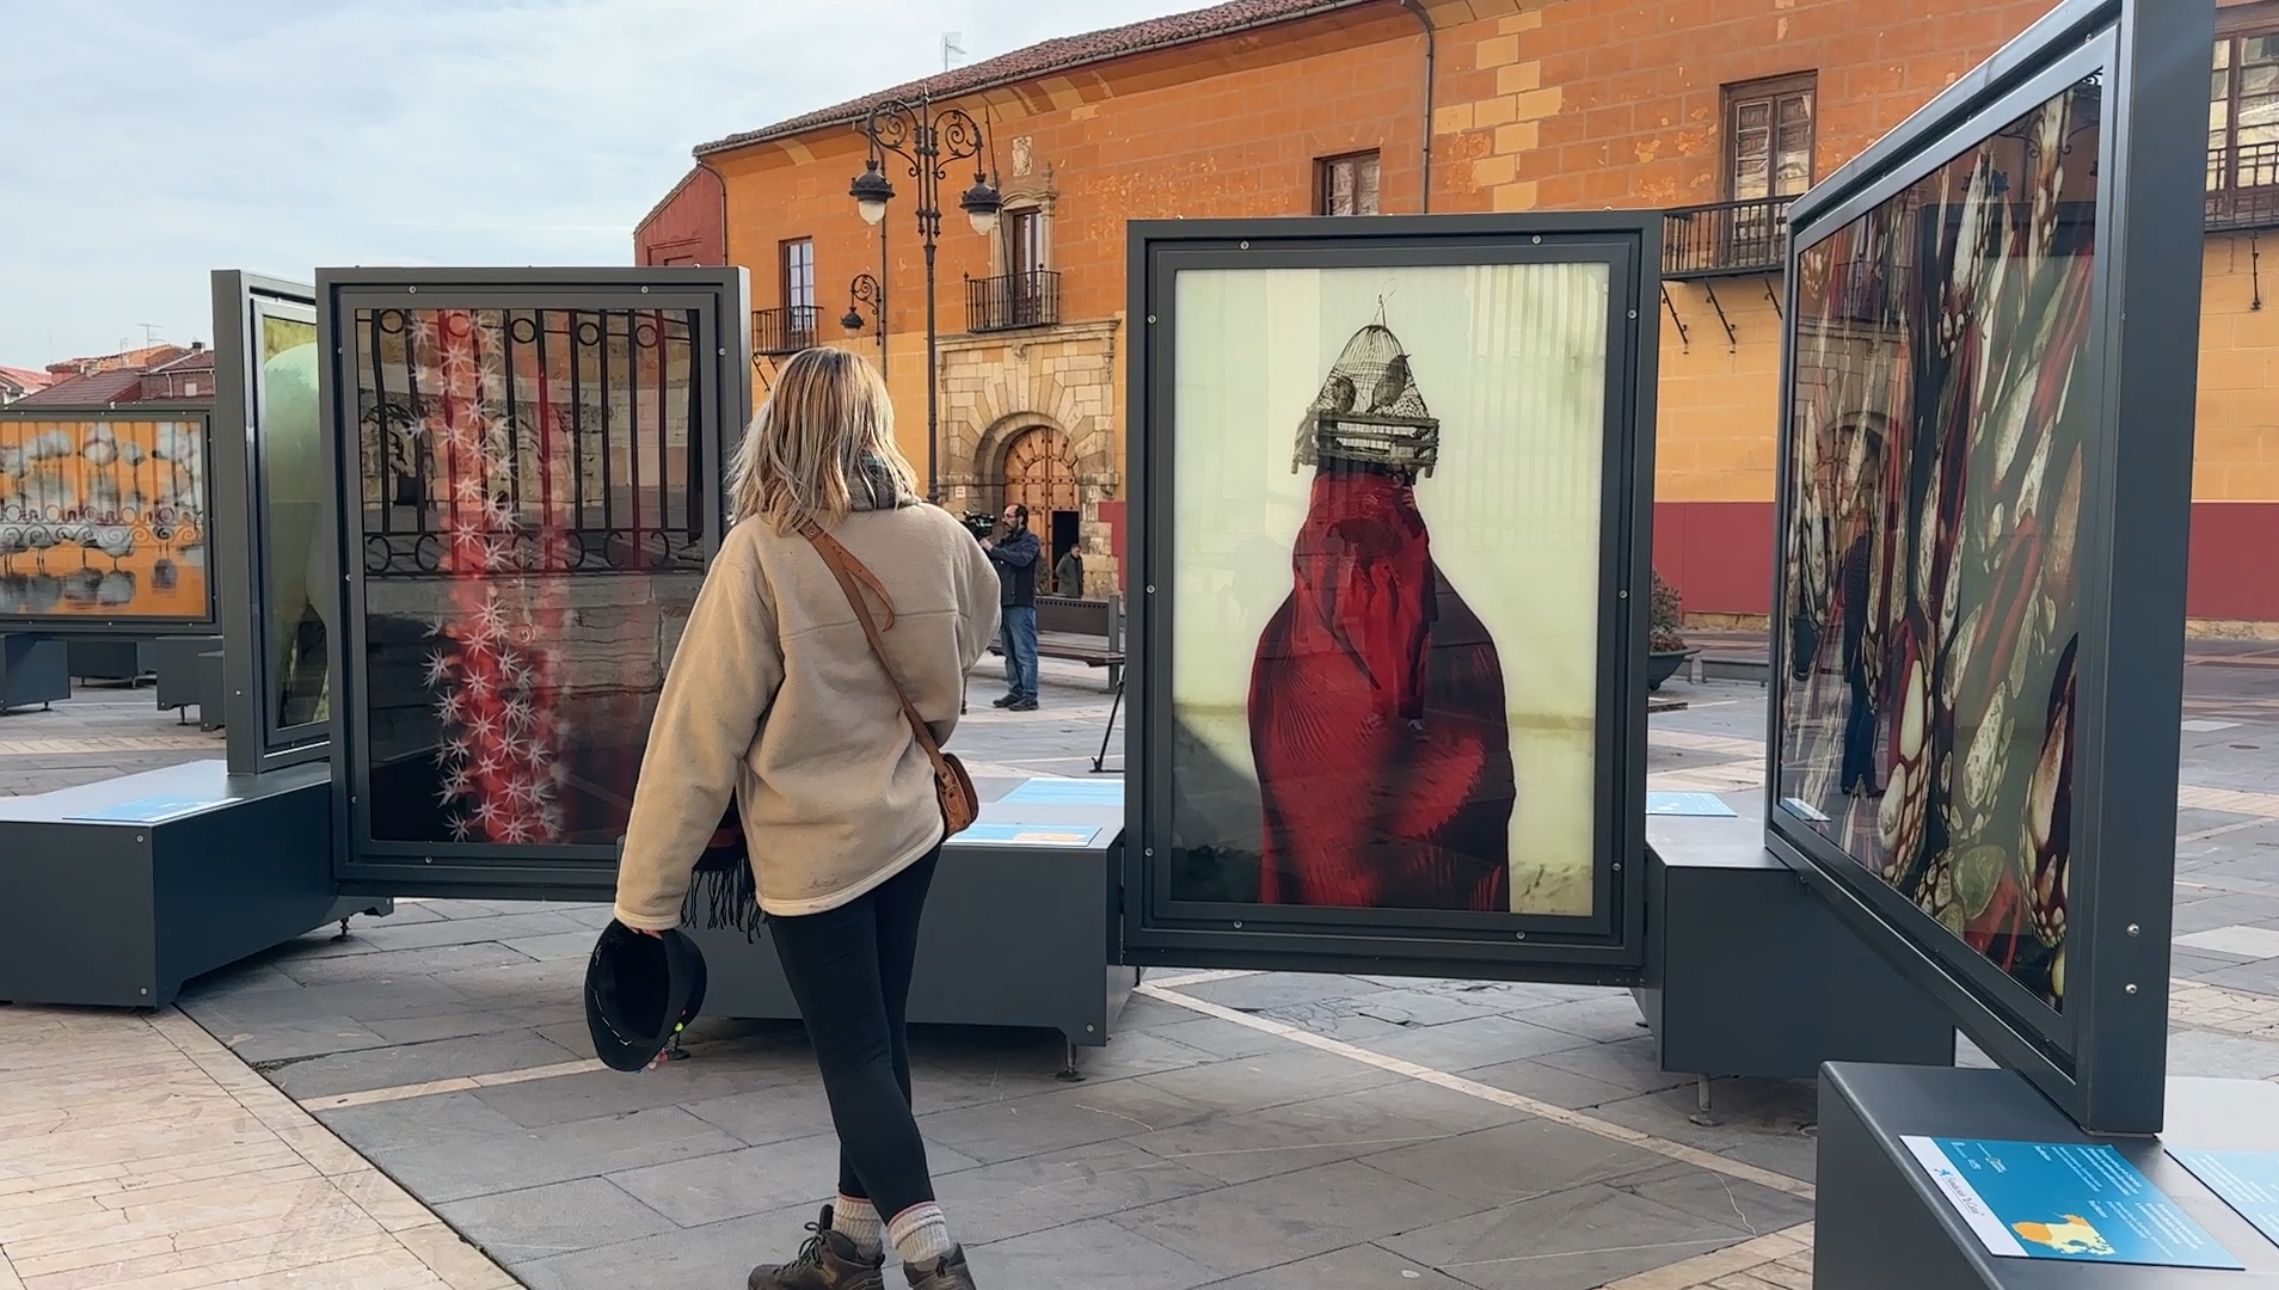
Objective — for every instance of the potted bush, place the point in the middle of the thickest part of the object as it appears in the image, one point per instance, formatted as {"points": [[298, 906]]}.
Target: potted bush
{"points": [[1666, 651]]}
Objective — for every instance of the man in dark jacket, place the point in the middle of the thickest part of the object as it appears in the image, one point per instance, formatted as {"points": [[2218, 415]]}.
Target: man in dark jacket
{"points": [[1068, 576], [1013, 551]]}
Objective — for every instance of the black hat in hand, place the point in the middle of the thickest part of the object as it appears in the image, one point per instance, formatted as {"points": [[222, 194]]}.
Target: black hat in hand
{"points": [[641, 991]]}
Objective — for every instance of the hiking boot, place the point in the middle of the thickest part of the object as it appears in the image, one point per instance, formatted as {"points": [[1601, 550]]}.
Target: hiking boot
{"points": [[949, 1274], [828, 1261], [1022, 705]]}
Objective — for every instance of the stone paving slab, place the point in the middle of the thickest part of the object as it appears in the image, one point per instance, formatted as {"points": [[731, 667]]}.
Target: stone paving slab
{"points": [[137, 1151]]}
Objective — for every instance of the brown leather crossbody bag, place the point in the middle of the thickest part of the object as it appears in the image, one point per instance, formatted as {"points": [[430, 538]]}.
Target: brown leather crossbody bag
{"points": [[953, 788], [722, 891]]}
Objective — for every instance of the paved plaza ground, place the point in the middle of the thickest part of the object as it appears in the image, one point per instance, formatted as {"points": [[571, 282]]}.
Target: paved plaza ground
{"points": [[330, 1114]]}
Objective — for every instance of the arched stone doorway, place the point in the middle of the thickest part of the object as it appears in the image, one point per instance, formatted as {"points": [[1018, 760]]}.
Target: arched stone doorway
{"points": [[1040, 472]]}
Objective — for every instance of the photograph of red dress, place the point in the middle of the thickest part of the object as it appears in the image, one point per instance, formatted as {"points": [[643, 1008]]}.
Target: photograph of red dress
{"points": [[1376, 711]]}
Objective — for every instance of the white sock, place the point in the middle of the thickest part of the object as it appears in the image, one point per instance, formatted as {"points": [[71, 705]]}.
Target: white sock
{"points": [[858, 1221], [921, 1235]]}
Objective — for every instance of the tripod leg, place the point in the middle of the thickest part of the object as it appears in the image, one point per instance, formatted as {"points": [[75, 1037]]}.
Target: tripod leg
{"points": [[1100, 762]]}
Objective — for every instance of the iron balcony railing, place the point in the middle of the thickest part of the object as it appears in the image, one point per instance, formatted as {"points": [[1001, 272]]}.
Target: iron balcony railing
{"points": [[1014, 300], [2243, 186], [1725, 238], [784, 331], [510, 441]]}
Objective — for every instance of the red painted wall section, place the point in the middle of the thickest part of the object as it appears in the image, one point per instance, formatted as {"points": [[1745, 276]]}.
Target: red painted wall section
{"points": [[2233, 574], [686, 227], [1719, 556]]}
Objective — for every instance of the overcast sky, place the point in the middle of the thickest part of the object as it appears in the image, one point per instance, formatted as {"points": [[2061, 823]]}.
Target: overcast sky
{"points": [[144, 145]]}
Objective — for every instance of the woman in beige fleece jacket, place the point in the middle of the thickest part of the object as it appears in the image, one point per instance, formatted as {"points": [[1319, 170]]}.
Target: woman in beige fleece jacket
{"points": [[775, 700]]}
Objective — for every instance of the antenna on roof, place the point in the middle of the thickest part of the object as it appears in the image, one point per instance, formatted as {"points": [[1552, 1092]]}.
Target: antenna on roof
{"points": [[953, 46]]}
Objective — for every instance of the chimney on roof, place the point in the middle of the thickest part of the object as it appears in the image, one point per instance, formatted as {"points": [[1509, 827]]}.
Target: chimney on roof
{"points": [[197, 347]]}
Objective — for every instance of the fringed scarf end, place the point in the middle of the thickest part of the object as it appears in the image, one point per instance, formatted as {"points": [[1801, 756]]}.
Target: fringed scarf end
{"points": [[724, 895]]}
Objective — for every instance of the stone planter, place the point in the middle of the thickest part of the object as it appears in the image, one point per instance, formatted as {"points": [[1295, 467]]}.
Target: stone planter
{"points": [[1662, 664]]}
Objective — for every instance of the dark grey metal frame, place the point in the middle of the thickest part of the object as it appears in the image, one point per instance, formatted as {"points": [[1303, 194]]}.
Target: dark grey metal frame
{"points": [[721, 297], [129, 628], [1606, 947], [241, 489], [2103, 1059]]}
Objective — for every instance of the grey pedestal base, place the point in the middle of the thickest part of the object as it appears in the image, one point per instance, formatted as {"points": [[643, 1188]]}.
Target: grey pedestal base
{"points": [[213, 691], [1014, 935], [110, 660], [175, 661], [1880, 1225], [119, 913], [34, 671], [1747, 975]]}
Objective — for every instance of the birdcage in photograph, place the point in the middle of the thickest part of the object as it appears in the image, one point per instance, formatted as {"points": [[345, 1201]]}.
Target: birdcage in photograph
{"points": [[1369, 411]]}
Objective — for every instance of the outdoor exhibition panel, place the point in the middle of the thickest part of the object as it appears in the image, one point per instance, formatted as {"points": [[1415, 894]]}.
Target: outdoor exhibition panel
{"points": [[104, 521], [1020, 926], [1748, 975], [33, 670], [276, 568], [113, 894], [1390, 482], [1985, 462], [1881, 1221], [528, 475]]}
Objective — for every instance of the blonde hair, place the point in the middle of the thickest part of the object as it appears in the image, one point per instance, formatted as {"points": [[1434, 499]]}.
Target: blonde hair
{"points": [[827, 424]]}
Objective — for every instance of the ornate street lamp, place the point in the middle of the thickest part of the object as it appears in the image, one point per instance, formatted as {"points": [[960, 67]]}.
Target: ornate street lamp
{"points": [[867, 289], [928, 142]]}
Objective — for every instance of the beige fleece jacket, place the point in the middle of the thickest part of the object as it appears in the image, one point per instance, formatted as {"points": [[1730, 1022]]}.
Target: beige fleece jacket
{"points": [[774, 695]]}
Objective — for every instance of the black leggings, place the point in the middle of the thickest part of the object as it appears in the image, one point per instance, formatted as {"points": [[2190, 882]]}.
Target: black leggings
{"points": [[849, 968]]}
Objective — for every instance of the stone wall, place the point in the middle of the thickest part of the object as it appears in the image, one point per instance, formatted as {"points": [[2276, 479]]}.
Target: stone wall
{"points": [[997, 386]]}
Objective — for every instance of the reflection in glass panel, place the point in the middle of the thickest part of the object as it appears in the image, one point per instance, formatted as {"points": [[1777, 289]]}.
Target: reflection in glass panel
{"points": [[532, 545], [1385, 654], [103, 519], [292, 484], [1936, 462]]}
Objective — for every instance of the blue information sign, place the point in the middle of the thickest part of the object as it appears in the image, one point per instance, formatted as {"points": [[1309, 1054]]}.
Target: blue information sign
{"points": [[142, 810], [1032, 835], [1068, 792], [1703, 804], [2248, 1181], [2051, 1200]]}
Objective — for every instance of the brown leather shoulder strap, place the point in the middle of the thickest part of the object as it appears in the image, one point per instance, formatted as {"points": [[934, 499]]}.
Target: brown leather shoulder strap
{"points": [[853, 576]]}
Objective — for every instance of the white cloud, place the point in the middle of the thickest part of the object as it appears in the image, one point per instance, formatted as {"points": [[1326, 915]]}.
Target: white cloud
{"points": [[280, 135]]}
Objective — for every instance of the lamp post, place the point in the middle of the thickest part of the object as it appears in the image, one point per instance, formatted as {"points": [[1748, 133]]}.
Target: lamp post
{"points": [[866, 289], [928, 142]]}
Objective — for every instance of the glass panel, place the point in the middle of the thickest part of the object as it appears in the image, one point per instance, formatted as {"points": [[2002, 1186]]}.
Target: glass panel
{"points": [[798, 279], [1385, 658], [1793, 168], [2261, 78], [1365, 198], [2259, 49], [532, 547], [2223, 53], [1795, 108], [1340, 188], [293, 531], [1753, 115], [1926, 717], [1752, 168], [103, 519]]}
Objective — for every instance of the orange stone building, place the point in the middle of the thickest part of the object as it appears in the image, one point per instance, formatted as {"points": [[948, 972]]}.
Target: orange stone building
{"points": [[1715, 111]]}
